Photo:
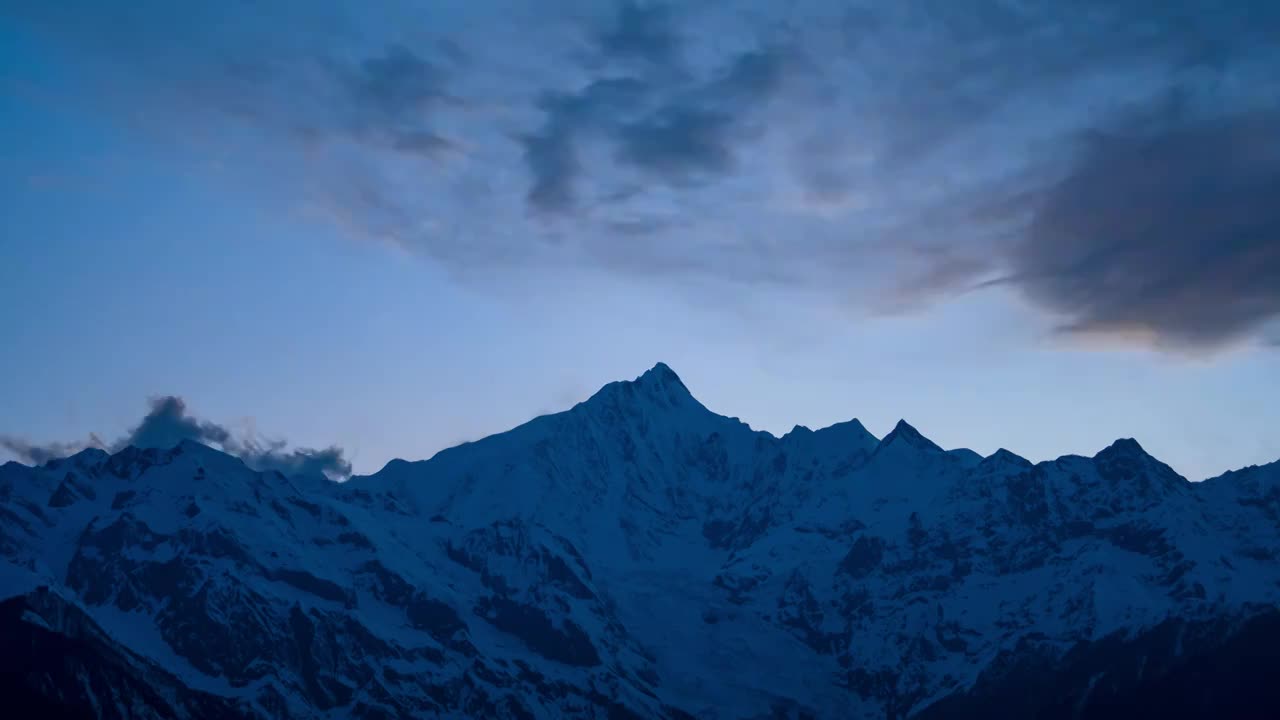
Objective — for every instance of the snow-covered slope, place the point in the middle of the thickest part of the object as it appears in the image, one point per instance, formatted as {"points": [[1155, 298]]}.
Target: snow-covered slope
{"points": [[635, 556]]}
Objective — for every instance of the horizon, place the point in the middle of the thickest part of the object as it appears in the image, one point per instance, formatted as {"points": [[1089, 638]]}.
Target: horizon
{"points": [[341, 233], [200, 434]]}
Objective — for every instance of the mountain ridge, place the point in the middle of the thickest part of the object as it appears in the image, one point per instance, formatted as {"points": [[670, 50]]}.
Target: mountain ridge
{"points": [[634, 556], [651, 378]]}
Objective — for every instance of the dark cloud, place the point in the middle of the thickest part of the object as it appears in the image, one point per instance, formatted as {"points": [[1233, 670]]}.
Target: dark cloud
{"points": [[697, 134], [672, 131], [396, 84], [1158, 230], [168, 423], [391, 97], [755, 74], [642, 31], [274, 455], [678, 141], [420, 142], [551, 154], [1167, 229], [553, 162]]}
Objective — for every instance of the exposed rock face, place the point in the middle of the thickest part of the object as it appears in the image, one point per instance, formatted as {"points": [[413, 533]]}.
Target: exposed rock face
{"points": [[639, 556], [59, 663], [1177, 669]]}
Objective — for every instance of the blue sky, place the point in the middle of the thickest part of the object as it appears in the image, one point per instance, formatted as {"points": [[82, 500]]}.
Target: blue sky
{"points": [[392, 227]]}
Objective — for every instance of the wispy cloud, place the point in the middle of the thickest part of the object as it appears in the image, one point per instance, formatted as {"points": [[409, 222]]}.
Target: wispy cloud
{"points": [[39, 454], [677, 133]]}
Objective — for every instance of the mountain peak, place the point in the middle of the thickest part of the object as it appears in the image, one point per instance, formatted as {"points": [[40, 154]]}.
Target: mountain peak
{"points": [[662, 378], [904, 433], [850, 433], [1123, 447], [1125, 458], [658, 385], [853, 425], [187, 445], [89, 456], [662, 370], [1002, 457], [841, 439]]}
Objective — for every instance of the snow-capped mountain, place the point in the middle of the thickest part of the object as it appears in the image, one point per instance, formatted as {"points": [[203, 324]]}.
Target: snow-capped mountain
{"points": [[639, 556]]}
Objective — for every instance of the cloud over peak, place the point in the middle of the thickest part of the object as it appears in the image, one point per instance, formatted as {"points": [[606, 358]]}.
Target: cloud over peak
{"points": [[168, 423]]}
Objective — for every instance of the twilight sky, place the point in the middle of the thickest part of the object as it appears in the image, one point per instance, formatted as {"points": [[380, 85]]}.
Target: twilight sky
{"points": [[381, 228]]}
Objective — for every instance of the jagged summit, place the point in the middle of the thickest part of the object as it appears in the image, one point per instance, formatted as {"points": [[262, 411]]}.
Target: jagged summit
{"points": [[1125, 459], [904, 433], [187, 446], [660, 372], [1123, 447], [1003, 457], [841, 440], [662, 379], [848, 427], [658, 386], [89, 455]]}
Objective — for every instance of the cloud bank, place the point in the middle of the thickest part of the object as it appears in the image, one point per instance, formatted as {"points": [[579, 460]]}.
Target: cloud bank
{"points": [[876, 156]]}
